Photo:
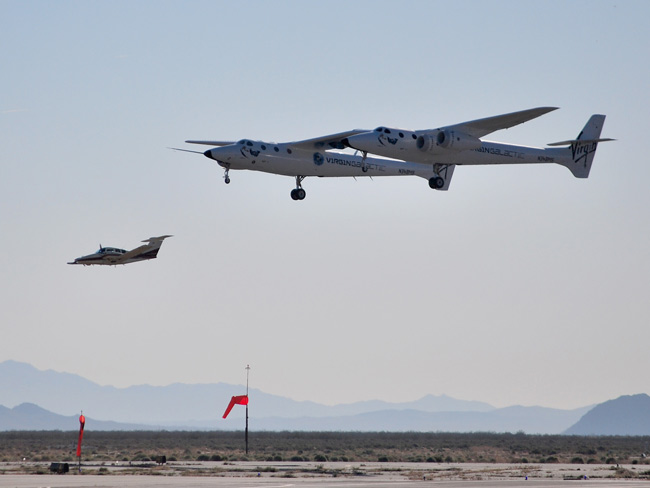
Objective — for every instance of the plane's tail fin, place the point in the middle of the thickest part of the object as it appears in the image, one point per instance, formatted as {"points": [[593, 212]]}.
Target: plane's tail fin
{"points": [[150, 251], [581, 151]]}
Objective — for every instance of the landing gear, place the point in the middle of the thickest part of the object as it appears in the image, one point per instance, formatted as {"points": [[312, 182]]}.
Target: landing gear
{"points": [[436, 182], [298, 193], [226, 178], [364, 155]]}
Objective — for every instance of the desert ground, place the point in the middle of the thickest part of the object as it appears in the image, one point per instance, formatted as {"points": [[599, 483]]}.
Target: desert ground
{"points": [[284, 459], [337, 474]]}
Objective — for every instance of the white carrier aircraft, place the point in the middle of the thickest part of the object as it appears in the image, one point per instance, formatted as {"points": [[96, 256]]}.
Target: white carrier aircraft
{"points": [[113, 256], [431, 154]]}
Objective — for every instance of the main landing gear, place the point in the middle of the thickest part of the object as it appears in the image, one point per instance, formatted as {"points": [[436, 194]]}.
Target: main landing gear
{"points": [[298, 193], [436, 182], [364, 155]]}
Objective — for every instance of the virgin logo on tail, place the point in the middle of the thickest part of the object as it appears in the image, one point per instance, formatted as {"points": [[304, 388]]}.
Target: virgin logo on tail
{"points": [[580, 151]]}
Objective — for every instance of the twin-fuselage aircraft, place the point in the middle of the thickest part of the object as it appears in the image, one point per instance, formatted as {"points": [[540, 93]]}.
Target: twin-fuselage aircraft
{"points": [[112, 256], [431, 154]]}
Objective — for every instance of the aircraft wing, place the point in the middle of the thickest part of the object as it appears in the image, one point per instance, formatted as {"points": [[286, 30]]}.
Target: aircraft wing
{"points": [[482, 127], [212, 143], [331, 141]]}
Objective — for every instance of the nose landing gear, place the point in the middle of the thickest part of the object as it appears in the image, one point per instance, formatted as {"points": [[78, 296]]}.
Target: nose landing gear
{"points": [[298, 193], [226, 178]]}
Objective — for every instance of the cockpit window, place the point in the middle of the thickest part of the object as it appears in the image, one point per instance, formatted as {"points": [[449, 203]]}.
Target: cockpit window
{"points": [[114, 250], [241, 142], [249, 143], [379, 129], [386, 131]]}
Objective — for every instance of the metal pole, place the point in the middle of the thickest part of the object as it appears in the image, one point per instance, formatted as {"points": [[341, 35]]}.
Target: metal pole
{"points": [[248, 368], [82, 412]]}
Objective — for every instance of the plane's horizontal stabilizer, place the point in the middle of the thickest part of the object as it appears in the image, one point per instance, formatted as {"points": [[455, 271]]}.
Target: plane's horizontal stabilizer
{"points": [[581, 141], [152, 240]]}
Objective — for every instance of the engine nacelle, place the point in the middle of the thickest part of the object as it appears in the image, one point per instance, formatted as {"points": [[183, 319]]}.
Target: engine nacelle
{"points": [[449, 140]]}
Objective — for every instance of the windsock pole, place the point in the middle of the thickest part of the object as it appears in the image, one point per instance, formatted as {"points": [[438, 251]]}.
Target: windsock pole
{"points": [[82, 424], [248, 368]]}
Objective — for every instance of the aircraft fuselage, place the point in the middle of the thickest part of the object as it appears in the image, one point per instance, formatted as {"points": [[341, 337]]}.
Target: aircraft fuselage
{"points": [[283, 160]]}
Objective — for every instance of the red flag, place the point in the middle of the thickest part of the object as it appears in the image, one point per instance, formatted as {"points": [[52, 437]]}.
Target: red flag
{"points": [[239, 400], [82, 423]]}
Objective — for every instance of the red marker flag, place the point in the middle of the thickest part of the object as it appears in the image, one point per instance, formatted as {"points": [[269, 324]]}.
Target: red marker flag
{"points": [[239, 400], [82, 423]]}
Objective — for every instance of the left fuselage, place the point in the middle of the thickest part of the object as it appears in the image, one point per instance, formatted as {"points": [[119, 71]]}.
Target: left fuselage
{"points": [[284, 160]]}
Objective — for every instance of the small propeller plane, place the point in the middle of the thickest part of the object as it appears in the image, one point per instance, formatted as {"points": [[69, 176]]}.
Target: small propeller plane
{"points": [[432, 154], [112, 256]]}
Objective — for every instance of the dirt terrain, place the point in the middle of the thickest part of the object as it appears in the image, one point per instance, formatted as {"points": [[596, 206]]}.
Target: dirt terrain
{"points": [[319, 455]]}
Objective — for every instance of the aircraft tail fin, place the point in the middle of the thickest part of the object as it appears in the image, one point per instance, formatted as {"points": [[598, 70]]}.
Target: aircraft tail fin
{"points": [[148, 251], [581, 150]]}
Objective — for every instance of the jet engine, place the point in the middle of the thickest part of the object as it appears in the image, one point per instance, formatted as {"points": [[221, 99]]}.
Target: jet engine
{"points": [[449, 140]]}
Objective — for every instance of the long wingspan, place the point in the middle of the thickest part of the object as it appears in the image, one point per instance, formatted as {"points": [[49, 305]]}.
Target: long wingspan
{"points": [[331, 141], [482, 127], [212, 143]]}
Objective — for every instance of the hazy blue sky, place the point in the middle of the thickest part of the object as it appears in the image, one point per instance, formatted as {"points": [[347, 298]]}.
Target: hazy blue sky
{"points": [[521, 285]]}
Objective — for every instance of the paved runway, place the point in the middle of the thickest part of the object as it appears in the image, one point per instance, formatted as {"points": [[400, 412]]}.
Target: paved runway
{"points": [[119, 481], [334, 475]]}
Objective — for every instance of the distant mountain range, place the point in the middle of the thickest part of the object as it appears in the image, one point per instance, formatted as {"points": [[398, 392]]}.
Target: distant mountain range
{"points": [[28, 416], [627, 415], [43, 400]]}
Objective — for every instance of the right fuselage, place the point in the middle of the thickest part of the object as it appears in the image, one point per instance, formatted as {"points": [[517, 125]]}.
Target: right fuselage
{"points": [[423, 147]]}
